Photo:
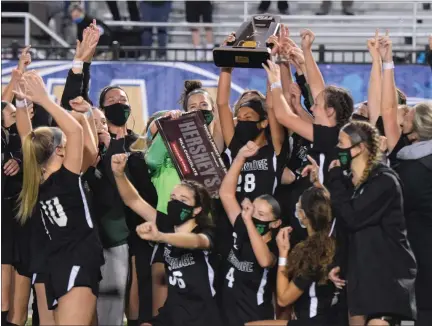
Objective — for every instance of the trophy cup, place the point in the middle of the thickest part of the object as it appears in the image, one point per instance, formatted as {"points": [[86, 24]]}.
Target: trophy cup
{"points": [[250, 48]]}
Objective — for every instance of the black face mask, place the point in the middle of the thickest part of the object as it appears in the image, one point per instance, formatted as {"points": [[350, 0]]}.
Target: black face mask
{"points": [[179, 211], [13, 130], [345, 158], [359, 117], [262, 227], [208, 116], [246, 131], [117, 113]]}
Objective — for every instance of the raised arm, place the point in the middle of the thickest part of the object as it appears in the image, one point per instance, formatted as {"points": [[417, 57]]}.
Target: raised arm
{"points": [[297, 107], [24, 61], [23, 121], [287, 292], [127, 191], [389, 103], [260, 248], [374, 91], [314, 76], [224, 110], [276, 129], [284, 113], [227, 191], [73, 131], [149, 231], [84, 115]]}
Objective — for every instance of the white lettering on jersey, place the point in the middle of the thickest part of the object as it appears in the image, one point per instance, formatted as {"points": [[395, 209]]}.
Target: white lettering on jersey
{"points": [[54, 211], [176, 263], [243, 266], [256, 165]]}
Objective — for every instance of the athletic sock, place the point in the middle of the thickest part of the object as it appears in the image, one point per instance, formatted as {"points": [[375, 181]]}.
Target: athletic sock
{"points": [[132, 322], [4, 317]]}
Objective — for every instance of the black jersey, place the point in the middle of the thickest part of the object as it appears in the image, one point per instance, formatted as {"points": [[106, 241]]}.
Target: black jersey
{"points": [[316, 301], [190, 276], [247, 287], [392, 157], [66, 218], [261, 173]]}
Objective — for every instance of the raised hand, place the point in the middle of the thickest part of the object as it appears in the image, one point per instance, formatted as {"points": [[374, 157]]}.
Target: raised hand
{"points": [[35, 90], [307, 39], [276, 45], [296, 56], [311, 170], [25, 59], [79, 104], [273, 72], [373, 46], [84, 50], [118, 164], [148, 231], [247, 209], [104, 137], [283, 241], [386, 48], [173, 114], [230, 39], [248, 150]]}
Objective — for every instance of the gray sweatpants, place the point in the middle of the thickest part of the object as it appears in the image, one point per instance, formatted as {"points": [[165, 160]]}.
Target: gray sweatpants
{"points": [[115, 272]]}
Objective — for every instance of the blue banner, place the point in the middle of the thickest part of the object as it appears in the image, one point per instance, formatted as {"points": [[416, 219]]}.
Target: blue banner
{"points": [[154, 86]]}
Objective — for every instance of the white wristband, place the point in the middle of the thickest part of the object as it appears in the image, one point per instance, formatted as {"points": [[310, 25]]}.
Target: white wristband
{"points": [[388, 65], [89, 113], [275, 85], [282, 261], [77, 64], [21, 104]]}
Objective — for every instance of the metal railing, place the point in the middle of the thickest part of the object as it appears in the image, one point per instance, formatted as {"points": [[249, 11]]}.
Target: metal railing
{"points": [[116, 52]]}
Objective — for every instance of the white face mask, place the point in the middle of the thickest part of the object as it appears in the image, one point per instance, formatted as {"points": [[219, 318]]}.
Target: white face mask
{"points": [[299, 218]]}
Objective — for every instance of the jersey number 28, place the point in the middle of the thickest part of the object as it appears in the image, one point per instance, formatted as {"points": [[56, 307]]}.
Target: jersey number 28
{"points": [[249, 183], [176, 278]]}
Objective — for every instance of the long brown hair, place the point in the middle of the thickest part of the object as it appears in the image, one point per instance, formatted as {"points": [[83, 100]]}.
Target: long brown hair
{"points": [[37, 148], [314, 255], [341, 101]]}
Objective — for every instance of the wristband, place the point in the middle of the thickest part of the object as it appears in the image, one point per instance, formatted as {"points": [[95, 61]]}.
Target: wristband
{"points": [[89, 113], [21, 104], [77, 64], [282, 261], [388, 65], [275, 85]]}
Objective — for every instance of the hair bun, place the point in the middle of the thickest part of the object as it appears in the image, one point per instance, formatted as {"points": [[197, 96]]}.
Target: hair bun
{"points": [[191, 85]]}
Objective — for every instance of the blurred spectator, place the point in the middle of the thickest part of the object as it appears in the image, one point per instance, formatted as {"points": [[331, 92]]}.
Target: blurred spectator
{"points": [[132, 8], [155, 11], [194, 11], [346, 8], [282, 6], [82, 20]]}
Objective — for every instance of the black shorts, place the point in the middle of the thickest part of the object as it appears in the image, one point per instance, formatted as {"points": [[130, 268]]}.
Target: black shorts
{"points": [[197, 9], [39, 278], [63, 277], [22, 248], [7, 233]]}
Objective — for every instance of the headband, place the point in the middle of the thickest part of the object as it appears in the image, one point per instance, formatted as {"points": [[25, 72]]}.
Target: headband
{"points": [[106, 90], [195, 91], [257, 106], [357, 135]]}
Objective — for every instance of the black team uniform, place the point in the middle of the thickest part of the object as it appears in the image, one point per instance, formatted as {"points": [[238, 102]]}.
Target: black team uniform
{"points": [[247, 291], [190, 277], [74, 253]]}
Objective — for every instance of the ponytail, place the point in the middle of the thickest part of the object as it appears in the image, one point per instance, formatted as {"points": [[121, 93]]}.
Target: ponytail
{"points": [[31, 181], [37, 148]]}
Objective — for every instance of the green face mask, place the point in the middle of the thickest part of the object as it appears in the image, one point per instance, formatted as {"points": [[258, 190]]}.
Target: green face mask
{"points": [[208, 116]]}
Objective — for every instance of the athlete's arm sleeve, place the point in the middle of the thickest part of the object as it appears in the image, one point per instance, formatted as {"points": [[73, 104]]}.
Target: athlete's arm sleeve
{"points": [[163, 223], [72, 89], [308, 100], [86, 82], [369, 206]]}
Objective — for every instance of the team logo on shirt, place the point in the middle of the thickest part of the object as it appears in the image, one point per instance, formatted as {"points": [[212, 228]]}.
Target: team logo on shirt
{"points": [[243, 266], [178, 262], [256, 165]]}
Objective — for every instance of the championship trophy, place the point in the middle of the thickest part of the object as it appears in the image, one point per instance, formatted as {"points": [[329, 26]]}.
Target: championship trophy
{"points": [[250, 48]]}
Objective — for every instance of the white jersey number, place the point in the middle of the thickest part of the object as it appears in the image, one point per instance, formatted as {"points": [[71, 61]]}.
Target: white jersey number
{"points": [[54, 211], [176, 278], [230, 277], [249, 183]]}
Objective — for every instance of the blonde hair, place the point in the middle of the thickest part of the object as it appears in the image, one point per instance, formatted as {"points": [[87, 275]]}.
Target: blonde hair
{"points": [[37, 148], [422, 123]]}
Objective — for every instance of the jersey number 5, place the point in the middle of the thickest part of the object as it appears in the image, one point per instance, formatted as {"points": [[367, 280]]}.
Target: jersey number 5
{"points": [[230, 277], [249, 183], [176, 278]]}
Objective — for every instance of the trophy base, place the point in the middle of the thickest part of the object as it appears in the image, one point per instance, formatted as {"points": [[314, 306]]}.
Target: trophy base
{"points": [[240, 57]]}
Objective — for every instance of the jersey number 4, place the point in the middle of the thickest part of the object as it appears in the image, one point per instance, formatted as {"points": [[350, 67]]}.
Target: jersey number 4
{"points": [[176, 278], [230, 277], [249, 183]]}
